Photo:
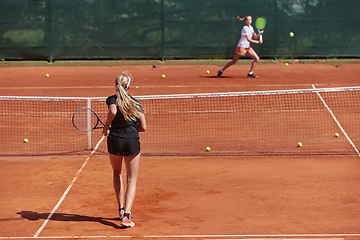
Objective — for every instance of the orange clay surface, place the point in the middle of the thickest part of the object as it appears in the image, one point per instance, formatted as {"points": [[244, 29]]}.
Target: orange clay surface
{"points": [[316, 197]]}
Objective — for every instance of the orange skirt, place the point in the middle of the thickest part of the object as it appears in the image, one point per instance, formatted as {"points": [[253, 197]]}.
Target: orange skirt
{"points": [[243, 51]]}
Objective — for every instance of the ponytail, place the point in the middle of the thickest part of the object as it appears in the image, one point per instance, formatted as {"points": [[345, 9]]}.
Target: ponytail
{"points": [[130, 109], [242, 19]]}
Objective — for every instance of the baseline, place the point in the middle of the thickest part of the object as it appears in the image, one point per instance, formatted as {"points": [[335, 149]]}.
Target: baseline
{"points": [[212, 237]]}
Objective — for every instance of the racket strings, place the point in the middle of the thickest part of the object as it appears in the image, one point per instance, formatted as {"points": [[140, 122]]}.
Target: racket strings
{"points": [[260, 23], [85, 120]]}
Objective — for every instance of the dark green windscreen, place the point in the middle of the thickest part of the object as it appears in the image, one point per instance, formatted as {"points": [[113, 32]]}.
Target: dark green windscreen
{"points": [[163, 29]]}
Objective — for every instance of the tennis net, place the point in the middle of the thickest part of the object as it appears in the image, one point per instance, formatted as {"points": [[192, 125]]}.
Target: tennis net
{"points": [[266, 123]]}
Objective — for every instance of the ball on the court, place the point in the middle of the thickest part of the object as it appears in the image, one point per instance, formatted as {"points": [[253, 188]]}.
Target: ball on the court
{"points": [[207, 149], [47, 75], [291, 34], [163, 76], [26, 140], [299, 144], [286, 64], [207, 71], [337, 135]]}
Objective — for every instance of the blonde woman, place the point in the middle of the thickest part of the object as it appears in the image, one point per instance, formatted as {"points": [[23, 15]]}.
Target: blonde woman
{"points": [[243, 47], [127, 119]]}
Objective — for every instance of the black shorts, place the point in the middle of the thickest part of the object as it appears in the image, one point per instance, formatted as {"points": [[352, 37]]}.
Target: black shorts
{"points": [[123, 146]]}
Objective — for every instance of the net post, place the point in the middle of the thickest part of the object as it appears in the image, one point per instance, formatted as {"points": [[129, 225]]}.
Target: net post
{"points": [[89, 123]]}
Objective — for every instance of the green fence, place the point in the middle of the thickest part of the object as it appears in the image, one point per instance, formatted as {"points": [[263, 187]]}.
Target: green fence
{"points": [[170, 29]]}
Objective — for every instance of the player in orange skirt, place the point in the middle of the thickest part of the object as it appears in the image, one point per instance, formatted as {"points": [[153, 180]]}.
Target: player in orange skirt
{"points": [[243, 47]]}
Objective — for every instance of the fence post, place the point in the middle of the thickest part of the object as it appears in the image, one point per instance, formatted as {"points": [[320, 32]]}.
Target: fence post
{"points": [[162, 31], [49, 29], [275, 38]]}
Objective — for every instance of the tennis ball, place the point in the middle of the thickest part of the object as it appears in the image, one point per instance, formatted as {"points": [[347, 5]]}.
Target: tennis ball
{"points": [[207, 149], [337, 135], [163, 76], [47, 75], [26, 140], [299, 144], [207, 71], [286, 64], [291, 34]]}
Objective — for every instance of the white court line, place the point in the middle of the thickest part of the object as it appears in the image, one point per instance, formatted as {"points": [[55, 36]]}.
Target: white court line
{"points": [[169, 86], [213, 237], [337, 122], [78, 87], [68, 189], [275, 239]]}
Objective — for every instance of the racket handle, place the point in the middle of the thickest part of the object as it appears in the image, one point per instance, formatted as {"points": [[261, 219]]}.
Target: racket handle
{"points": [[260, 36]]}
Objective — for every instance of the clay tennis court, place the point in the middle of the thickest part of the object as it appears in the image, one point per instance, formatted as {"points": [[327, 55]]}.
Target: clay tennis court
{"points": [[288, 197]]}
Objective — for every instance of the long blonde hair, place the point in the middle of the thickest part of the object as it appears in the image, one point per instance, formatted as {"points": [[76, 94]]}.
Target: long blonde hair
{"points": [[127, 106]]}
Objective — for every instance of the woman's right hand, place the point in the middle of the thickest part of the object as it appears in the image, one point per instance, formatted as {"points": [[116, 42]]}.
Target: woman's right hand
{"points": [[105, 130]]}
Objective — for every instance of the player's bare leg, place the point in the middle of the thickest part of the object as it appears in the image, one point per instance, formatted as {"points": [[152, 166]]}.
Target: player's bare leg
{"points": [[256, 58], [229, 64], [132, 169], [116, 163]]}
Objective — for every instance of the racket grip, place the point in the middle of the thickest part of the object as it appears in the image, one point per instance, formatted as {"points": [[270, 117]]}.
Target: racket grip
{"points": [[260, 36]]}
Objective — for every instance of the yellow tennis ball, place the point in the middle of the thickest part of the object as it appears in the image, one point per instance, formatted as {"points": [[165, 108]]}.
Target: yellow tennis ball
{"points": [[337, 135], [286, 64], [299, 144], [47, 75], [163, 76], [207, 71], [291, 34], [26, 140], [207, 149]]}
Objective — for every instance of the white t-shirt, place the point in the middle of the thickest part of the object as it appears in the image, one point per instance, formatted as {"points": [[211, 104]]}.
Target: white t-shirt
{"points": [[243, 42]]}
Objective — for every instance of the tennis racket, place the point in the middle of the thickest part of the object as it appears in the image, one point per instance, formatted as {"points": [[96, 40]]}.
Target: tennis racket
{"points": [[260, 24], [85, 120]]}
